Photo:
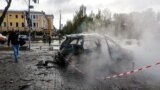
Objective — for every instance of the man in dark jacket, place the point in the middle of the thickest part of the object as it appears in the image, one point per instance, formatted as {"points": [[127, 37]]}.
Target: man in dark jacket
{"points": [[14, 39]]}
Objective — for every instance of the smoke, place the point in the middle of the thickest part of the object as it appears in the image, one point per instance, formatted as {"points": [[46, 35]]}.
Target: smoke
{"points": [[102, 57], [137, 32]]}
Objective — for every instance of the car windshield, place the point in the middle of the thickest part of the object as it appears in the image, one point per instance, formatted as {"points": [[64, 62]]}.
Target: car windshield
{"points": [[90, 44]]}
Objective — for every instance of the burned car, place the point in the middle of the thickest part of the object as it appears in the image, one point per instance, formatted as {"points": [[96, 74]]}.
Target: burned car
{"points": [[79, 48]]}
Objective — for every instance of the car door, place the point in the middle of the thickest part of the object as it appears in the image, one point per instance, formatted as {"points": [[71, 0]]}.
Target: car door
{"points": [[114, 50]]}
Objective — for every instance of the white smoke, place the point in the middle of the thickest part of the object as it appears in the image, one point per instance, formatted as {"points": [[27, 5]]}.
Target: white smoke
{"points": [[138, 32]]}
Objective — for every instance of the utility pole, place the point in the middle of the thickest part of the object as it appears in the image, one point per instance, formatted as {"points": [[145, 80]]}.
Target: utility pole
{"points": [[59, 27], [29, 25], [60, 21], [7, 22]]}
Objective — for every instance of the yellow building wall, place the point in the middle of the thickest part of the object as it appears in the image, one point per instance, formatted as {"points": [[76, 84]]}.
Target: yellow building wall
{"points": [[50, 25], [13, 17], [10, 17], [39, 23]]}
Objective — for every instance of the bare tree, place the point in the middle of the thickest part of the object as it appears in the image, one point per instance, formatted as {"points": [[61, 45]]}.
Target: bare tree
{"points": [[5, 10]]}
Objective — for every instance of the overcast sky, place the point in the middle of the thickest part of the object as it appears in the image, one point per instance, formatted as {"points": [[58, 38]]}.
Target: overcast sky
{"points": [[68, 7]]}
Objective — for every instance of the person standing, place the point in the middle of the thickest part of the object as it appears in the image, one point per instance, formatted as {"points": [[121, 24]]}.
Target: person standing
{"points": [[14, 39]]}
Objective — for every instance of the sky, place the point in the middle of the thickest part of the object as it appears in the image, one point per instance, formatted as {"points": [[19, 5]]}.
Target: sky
{"points": [[69, 7]]}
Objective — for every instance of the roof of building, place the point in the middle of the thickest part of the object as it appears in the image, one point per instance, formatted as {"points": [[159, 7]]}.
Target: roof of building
{"points": [[49, 15], [18, 11], [22, 11]]}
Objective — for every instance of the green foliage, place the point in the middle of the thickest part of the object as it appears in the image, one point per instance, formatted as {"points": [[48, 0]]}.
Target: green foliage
{"points": [[120, 25], [68, 28], [76, 25]]}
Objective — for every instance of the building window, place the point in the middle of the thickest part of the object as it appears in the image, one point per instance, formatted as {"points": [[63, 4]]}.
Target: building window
{"points": [[22, 16], [5, 24], [34, 24], [22, 24], [10, 16], [11, 24], [34, 17], [16, 24], [16, 16]]}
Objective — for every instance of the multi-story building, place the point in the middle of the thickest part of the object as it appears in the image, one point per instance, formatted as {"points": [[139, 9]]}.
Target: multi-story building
{"points": [[42, 22], [13, 19], [17, 19]]}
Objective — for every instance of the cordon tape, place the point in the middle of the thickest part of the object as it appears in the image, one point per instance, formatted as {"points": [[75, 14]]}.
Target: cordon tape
{"points": [[121, 74], [130, 72]]}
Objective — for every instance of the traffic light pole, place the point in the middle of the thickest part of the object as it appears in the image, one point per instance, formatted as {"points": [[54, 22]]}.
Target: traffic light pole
{"points": [[29, 26]]}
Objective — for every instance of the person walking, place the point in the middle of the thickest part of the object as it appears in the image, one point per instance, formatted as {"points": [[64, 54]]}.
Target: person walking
{"points": [[14, 39], [49, 40]]}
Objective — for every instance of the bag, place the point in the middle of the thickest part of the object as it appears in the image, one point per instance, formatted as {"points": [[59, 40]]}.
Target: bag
{"points": [[22, 41]]}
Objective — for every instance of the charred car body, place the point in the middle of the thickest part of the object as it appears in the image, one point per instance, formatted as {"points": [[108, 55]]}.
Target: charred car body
{"points": [[78, 47]]}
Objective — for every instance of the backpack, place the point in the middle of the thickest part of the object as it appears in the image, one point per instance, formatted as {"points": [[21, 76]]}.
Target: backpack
{"points": [[22, 41]]}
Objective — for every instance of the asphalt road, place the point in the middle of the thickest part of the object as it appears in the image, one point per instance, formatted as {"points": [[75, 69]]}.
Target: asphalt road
{"points": [[27, 75]]}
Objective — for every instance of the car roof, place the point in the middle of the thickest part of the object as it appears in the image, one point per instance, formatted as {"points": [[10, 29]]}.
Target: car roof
{"points": [[77, 36], [92, 35]]}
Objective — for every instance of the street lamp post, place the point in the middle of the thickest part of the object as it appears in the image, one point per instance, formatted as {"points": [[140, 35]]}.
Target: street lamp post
{"points": [[59, 28], [29, 25], [7, 22]]}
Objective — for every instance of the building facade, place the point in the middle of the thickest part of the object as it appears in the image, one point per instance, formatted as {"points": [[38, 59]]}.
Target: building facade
{"points": [[40, 22], [13, 19]]}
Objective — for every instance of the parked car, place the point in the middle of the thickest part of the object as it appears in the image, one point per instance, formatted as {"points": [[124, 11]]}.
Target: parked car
{"points": [[82, 47], [24, 37], [3, 39]]}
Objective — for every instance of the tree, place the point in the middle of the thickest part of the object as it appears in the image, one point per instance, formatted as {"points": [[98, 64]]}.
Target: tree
{"points": [[79, 22], [67, 29], [5, 10]]}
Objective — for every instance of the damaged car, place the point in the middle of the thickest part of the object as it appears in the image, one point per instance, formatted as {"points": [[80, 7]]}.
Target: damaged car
{"points": [[81, 48]]}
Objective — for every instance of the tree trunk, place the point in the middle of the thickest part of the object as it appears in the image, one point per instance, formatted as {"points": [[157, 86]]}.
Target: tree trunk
{"points": [[5, 11]]}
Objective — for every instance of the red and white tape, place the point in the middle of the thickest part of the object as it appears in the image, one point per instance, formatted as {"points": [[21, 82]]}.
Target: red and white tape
{"points": [[131, 72]]}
